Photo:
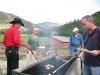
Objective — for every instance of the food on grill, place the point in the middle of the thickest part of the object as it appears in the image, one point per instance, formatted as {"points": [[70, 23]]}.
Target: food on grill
{"points": [[49, 74], [49, 66], [63, 60], [52, 66]]}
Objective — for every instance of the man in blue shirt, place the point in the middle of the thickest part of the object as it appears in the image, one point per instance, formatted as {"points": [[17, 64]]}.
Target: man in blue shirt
{"points": [[76, 41]]}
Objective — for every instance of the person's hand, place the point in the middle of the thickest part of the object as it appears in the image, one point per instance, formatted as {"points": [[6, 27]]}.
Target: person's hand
{"points": [[27, 51], [95, 52], [29, 47], [83, 49], [77, 53], [26, 45]]}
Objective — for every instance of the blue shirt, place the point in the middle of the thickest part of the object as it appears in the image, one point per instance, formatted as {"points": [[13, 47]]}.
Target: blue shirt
{"points": [[76, 42]]}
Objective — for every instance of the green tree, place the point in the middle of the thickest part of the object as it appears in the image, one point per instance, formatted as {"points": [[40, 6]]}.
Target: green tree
{"points": [[66, 29]]}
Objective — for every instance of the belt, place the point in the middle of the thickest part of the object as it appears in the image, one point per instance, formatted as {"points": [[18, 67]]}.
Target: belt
{"points": [[12, 47], [76, 45]]}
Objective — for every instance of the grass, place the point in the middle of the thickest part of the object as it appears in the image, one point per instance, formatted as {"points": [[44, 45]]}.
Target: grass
{"points": [[1, 37], [24, 37], [22, 52], [43, 40]]}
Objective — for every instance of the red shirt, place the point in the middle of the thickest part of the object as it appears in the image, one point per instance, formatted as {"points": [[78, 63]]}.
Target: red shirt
{"points": [[12, 37]]}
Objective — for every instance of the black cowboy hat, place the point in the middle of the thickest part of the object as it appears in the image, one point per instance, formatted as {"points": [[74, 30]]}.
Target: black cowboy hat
{"points": [[17, 20]]}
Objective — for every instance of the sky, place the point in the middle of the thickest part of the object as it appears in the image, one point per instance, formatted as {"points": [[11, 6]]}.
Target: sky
{"points": [[56, 11]]}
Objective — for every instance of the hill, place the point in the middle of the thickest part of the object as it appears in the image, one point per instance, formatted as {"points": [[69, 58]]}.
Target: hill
{"points": [[48, 28], [66, 29], [47, 25], [7, 17]]}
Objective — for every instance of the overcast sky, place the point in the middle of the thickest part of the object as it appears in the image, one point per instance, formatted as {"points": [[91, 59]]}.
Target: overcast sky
{"points": [[57, 11]]}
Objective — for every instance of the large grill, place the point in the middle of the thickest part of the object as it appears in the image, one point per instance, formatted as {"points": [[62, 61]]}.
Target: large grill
{"points": [[50, 66]]}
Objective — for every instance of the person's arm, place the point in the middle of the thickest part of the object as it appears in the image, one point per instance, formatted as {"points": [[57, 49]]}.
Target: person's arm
{"points": [[95, 52], [26, 45], [28, 39], [18, 42]]}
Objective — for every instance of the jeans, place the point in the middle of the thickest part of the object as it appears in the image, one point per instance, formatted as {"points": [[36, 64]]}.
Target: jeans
{"points": [[90, 70], [12, 59], [95, 70], [73, 51]]}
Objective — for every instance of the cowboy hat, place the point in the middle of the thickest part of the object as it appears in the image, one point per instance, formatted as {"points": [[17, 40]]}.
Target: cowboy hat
{"points": [[75, 29], [17, 20]]}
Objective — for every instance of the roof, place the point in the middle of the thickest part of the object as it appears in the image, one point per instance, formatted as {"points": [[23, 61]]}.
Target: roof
{"points": [[61, 38]]}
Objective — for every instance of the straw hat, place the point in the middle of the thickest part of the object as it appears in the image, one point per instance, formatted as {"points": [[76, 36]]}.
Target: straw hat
{"points": [[75, 29]]}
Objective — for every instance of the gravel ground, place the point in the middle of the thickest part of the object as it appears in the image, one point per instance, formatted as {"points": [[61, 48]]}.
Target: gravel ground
{"points": [[3, 66]]}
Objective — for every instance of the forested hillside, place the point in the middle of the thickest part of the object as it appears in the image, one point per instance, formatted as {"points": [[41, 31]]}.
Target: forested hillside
{"points": [[6, 17], [66, 29], [51, 28]]}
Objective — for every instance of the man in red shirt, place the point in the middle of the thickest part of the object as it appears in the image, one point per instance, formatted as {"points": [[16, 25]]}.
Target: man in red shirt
{"points": [[12, 42]]}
